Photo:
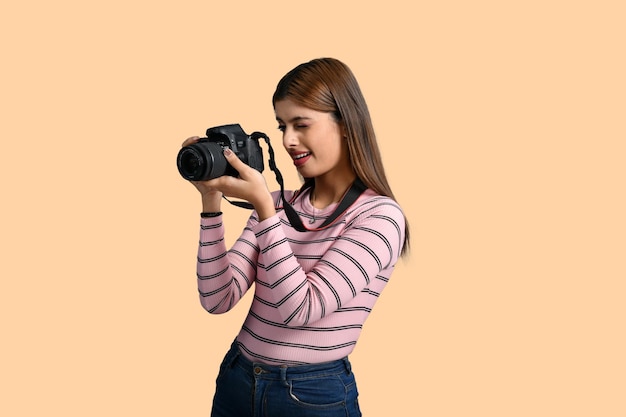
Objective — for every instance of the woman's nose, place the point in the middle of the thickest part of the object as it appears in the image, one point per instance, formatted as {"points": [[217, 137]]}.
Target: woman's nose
{"points": [[290, 140]]}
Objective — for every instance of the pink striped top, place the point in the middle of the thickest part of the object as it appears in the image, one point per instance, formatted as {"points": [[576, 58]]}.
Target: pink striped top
{"points": [[313, 289]]}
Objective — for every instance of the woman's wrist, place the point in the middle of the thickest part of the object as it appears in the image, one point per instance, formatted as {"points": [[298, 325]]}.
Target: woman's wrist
{"points": [[212, 203], [265, 207]]}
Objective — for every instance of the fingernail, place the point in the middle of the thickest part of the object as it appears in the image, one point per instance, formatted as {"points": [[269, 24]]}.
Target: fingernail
{"points": [[227, 151]]}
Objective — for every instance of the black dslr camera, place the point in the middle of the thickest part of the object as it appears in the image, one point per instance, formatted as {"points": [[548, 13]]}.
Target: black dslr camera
{"points": [[204, 160]]}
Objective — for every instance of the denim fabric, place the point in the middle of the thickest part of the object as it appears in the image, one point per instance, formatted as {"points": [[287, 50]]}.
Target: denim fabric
{"points": [[247, 389]]}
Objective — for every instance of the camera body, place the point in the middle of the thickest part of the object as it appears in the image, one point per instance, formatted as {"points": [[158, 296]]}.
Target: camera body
{"points": [[204, 160]]}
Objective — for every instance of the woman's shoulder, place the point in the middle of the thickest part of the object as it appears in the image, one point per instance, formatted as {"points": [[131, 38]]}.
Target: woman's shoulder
{"points": [[369, 199], [373, 205]]}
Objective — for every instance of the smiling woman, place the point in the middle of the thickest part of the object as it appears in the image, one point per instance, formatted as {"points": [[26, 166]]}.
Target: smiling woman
{"points": [[314, 287]]}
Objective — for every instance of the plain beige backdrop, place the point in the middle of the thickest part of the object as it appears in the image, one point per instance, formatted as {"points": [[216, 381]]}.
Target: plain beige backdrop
{"points": [[502, 126]]}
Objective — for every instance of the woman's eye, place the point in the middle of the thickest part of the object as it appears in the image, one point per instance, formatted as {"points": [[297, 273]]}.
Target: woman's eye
{"points": [[282, 128]]}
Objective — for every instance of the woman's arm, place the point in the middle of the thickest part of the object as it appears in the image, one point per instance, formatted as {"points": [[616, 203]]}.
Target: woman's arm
{"points": [[369, 245], [224, 276]]}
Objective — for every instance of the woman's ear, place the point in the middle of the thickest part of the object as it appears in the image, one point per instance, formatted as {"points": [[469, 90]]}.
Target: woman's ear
{"points": [[343, 130]]}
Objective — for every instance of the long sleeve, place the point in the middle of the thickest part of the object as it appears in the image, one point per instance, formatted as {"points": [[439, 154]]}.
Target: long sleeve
{"points": [[224, 275], [370, 243]]}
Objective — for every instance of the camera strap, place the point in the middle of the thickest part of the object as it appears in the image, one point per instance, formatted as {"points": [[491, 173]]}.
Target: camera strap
{"points": [[355, 190]]}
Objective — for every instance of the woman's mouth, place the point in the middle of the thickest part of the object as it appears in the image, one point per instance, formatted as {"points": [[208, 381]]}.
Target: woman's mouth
{"points": [[301, 158]]}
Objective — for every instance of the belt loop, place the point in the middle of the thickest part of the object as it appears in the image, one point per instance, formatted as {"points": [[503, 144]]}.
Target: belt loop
{"points": [[232, 362], [283, 375], [348, 365], [235, 349]]}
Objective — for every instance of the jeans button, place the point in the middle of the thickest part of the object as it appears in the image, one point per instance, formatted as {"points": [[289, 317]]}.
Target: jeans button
{"points": [[257, 370]]}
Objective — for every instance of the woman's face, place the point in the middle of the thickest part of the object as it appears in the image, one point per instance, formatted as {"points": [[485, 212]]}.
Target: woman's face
{"points": [[314, 140]]}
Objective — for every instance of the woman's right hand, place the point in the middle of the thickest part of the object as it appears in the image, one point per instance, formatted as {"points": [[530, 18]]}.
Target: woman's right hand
{"points": [[211, 198]]}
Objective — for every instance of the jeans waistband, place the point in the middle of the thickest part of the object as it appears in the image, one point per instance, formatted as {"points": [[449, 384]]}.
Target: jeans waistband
{"points": [[257, 369]]}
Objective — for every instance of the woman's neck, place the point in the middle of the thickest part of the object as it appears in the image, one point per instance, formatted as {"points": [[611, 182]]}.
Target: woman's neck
{"points": [[326, 192]]}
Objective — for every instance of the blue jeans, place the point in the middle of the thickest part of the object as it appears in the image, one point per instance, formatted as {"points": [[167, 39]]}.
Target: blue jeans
{"points": [[247, 389]]}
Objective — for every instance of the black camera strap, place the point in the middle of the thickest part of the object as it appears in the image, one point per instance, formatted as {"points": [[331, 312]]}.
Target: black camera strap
{"points": [[357, 188]]}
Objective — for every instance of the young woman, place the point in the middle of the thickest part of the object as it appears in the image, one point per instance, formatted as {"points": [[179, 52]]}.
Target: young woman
{"points": [[314, 286]]}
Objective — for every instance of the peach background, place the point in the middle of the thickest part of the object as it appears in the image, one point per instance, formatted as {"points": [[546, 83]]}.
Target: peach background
{"points": [[502, 127]]}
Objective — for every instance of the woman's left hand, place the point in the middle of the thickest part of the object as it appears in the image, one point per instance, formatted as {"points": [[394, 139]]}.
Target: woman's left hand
{"points": [[249, 186]]}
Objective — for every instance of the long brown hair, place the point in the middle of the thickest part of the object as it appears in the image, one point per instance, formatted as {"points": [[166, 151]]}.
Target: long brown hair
{"points": [[328, 85]]}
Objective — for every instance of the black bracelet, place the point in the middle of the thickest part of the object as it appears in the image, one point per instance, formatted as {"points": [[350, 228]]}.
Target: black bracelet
{"points": [[210, 214]]}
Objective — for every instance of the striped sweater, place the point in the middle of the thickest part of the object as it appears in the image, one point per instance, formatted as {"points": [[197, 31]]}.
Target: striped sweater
{"points": [[313, 289]]}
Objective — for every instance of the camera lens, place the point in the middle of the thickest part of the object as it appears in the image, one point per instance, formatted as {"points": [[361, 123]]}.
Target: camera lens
{"points": [[190, 164], [201, 161]]}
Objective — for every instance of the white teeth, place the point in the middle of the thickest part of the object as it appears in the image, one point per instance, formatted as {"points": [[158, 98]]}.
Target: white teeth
{"points": [[301, 155]]}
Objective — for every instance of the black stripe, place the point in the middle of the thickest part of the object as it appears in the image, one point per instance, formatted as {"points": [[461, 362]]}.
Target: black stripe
{"points": [[341, 274], [298, 345], [273, 245], [298, 309], [244, 257], [330, 287], [210, 226], [267, 229], [351, 309], [381, 237], [278, 262], [215, 242], [305, 328], [318, 293], [210, 293], [212, 276], [208, 260], [277, 283], [245, 277], [366, 248], [355, 262], [249, 243]]}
